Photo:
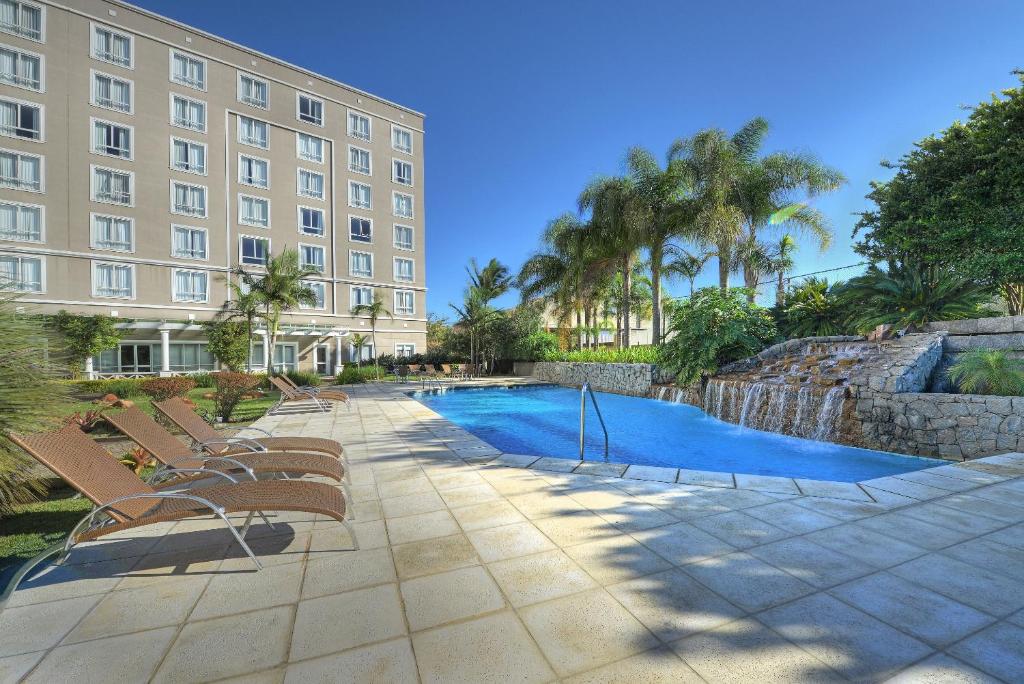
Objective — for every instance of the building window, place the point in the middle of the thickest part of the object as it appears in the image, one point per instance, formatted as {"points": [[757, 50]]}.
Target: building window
{"points": [[188, 156], [111, 92], [110, 46], [360, 296], [403, 237], [253, 171], [401, 139], [188, 70], [188, 242], [254, 250], [358, 160], [403, 205], [319, 291], [310, 184], [113, 233], [113, 280], [22, 19], [401, 172], [358, 126], [310, 148], [285, 357], [405, 302], [403, 270], [365, 352], [359, 195], [361, 264], [21, 69], [21, 171], [21, 120], [252, 91], [188, 199], [311, 221], [252, 132], [190, 286], [405, 350], [112, 186], [187, 356], [360, 229], [111, 139], [21, 222], [311, 110], [188, 113], [24, 274], [254, 211], [311, 257]]}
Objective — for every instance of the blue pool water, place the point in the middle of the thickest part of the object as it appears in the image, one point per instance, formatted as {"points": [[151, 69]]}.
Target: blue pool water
{"points": [[544, 420]]}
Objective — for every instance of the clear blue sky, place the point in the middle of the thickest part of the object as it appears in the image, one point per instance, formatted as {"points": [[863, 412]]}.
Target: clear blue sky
{"points": [[526, 101]]}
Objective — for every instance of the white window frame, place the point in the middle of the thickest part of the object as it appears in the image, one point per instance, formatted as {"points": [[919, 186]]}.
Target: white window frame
{"points": [[93, 73], [312, 285], [241, 222], [206, 199], [42, 269], [298, 147], [412, 204], [42, 119], [394, 270], [405, 344], [93, 26], [255, 158], [195, 228], [93, 168], [206, 156], [42, 69], [351, 252], [323, 220], [92, 138], [206, 113], [412, 311], [369, 161], [42, 23], [351, 129], [298, 184], [368, 207], [322, 249], [412, 241], [94, 243], [174, 285], [257, 79], [395, 128], [241, 241], [42, 221], [349, 229], [243, 141], [189, 55], [352, 294], [394, 176], [42, 171], [298, 109], [134, 271]]}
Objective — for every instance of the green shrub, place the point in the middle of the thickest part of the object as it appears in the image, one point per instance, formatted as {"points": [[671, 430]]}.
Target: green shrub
{"points": [[988, 371], [124, 388], [304, 378], [639, 354], [203, 379], [231, 387], [350, 375], [228, 342], [162, 389]]}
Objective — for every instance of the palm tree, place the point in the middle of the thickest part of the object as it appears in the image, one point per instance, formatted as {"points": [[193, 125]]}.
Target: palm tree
{"points": [[243, 305], [988, 371], [473, 315], [813, 308], [492, 281], [782, 263], [358, 342], [754, 259], [374, 310], [687, 265]]}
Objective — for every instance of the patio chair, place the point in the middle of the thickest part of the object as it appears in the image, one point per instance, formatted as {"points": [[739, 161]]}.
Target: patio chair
{"points": [[321, 400], [402, 373], [446, 371]]}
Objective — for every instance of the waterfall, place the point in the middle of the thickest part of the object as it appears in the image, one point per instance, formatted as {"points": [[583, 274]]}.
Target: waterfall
{"points": [[755, 395], [829, 414]]}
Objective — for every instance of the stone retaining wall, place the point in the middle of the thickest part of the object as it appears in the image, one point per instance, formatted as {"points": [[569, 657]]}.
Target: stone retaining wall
{"points": [[1005, 333], [622, 378]]}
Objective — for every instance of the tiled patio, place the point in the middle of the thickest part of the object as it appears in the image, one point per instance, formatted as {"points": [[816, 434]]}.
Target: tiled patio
{"points": [[474, 568]]}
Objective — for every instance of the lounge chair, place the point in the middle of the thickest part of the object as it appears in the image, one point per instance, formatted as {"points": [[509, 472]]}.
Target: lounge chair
{"points": [[402, 373], [205, 436], [322, 400], [446, 371]]}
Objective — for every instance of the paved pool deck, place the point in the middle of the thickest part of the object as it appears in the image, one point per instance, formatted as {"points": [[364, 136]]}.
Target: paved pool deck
{"points": [[474, 567]]}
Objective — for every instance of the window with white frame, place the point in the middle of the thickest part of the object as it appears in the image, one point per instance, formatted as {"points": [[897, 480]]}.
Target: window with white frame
{"points": [[111, 139], [21, 171], [358, 160], [319, 291], [21, 69], [361, 264], [111, 46], [310, 148], [364, 353], [111, 92], [405, 350], [312, 257], [188, 113], [401, 139], [254, 211], [360, 229], [360, 296], [401, 172], [21, 120], [188, 70], [253, 132], [285, 357], [188, 156], [359, 125], [311, 221], [254, 250], [21, 222], [190, 286], [113, 233], [403, 237], [188, 199], [253, 171], [310, 184], [21, 273], [22, 19], [311, 110], [252, 91], [405, 302], [360, 195], [402, 205], [188, 242], [403, 270], [112, 186], [113, 280]]}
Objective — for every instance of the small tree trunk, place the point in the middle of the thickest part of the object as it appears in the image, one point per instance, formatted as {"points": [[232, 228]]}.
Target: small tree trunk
{"points": [[627, 286], [724, 250], [1013, 293], [656, 257], [586, 327], [780, 289]]}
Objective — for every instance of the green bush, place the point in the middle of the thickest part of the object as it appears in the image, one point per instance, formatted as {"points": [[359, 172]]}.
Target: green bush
{"points": [[350, 375], [228, 341], [231, 387], [988, 371], [161, 389], [639, 354], [203, 379], [124, 388], [301, 378]]}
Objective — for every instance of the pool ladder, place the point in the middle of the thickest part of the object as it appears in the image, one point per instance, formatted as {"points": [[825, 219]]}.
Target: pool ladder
{"points": [[584, 390]]}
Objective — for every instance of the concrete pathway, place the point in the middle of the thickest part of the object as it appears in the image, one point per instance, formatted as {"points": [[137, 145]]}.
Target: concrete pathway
{"points": [[473, 568]]}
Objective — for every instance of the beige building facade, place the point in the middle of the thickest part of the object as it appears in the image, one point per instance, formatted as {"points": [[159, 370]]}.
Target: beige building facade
{"points": [[141, 160]]}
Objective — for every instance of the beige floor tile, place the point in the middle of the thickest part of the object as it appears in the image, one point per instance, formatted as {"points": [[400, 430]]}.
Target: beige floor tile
{"points": [[13, 668], [125, 658], [941, 669], [434, 555], [120, 612], [391, 661], [682, 543], [490, 514], [437, 599], [540, 577], [412, 504], [576, 528], [347, 571], [335, 623], [748, 582], [617, 559], [32, 628], [422, 526], [467, 496], [508, 541], [536, 505], [657, 666], [740, 529], [811, 563], [404, 487], [235, 592]]}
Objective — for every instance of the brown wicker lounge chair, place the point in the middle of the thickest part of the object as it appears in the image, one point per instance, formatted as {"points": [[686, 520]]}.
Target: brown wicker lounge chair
{"points": [[321, 399]]}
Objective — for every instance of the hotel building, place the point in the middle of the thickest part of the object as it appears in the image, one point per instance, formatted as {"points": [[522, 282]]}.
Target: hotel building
{"points": [[141, 160]]}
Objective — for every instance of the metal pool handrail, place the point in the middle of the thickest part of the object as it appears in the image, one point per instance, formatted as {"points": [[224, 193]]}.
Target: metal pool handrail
{"points": [[584, 389]]}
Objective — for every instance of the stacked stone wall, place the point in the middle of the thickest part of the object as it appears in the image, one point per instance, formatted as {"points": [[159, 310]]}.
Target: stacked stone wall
{"points": [[621, 378]]}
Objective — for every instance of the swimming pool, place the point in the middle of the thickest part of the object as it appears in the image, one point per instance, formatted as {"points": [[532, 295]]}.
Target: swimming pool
{"points": [[544, 420]]}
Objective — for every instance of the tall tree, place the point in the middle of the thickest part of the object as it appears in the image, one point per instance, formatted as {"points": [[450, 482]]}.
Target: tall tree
{"points": [[243, 306], [782, 263], [374, 311], [490, 282], [686, 264]]}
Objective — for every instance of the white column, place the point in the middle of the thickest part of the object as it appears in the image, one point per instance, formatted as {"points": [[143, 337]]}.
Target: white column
{"points": [[337, 353], [90, 374], [266, 349], [165, 353]]}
